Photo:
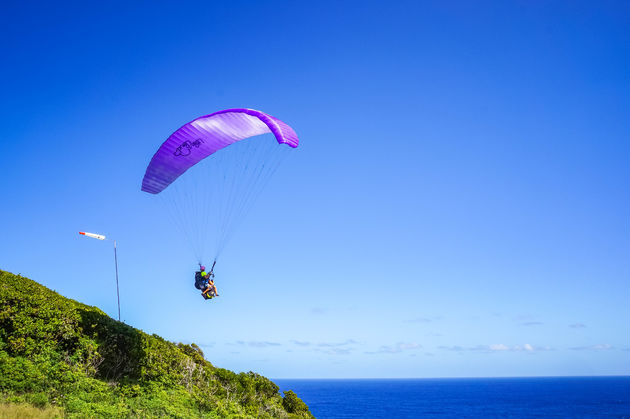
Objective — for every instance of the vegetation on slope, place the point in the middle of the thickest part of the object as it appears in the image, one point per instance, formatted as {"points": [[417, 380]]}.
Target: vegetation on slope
{"points": [[58, 352]]}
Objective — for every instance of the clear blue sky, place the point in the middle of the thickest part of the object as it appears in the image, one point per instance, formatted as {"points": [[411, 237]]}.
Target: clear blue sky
{"points": [[458, 205]]}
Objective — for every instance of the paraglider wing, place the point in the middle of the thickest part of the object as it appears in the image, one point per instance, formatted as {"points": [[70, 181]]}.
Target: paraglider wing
{"points": [[206, 135]]}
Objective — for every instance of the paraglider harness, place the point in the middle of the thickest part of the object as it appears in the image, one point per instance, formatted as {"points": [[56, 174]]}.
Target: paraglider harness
{"points": [[201, 283]]}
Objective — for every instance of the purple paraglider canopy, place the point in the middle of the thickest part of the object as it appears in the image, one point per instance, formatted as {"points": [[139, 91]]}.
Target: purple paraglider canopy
{"points": [[206, 135]]}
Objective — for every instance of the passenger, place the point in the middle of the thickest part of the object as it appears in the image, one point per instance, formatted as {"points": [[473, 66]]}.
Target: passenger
{"points": [[211, 289]]}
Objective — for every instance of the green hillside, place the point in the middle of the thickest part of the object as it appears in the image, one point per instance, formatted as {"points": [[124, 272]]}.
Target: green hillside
{"points": [[58, 353]]}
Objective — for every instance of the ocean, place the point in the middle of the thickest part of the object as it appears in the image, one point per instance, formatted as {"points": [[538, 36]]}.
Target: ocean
{"points": [[546, 397]]}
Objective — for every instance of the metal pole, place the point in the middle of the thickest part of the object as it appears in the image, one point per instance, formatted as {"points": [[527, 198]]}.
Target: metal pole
{"points": [[117, 292]]}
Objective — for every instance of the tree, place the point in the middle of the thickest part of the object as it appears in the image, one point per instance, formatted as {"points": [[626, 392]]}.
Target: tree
{"points": [[293, 404]]}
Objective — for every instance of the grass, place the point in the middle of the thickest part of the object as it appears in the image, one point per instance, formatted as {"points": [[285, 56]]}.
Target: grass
{"points": [[23, 411]]}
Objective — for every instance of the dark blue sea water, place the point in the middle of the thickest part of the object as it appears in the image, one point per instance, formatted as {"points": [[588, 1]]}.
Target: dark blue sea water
{"points": [[549, 397]]}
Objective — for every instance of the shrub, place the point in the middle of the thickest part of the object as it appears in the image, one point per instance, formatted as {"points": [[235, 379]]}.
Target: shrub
{"points": [[56, 351], [293, 404]]}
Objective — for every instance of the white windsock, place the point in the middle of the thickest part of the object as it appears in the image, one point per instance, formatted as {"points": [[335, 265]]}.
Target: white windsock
{"points": [[94, 236]]}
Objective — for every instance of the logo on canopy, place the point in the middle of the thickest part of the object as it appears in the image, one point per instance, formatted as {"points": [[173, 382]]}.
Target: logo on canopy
{"points": [[186, 147]]}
